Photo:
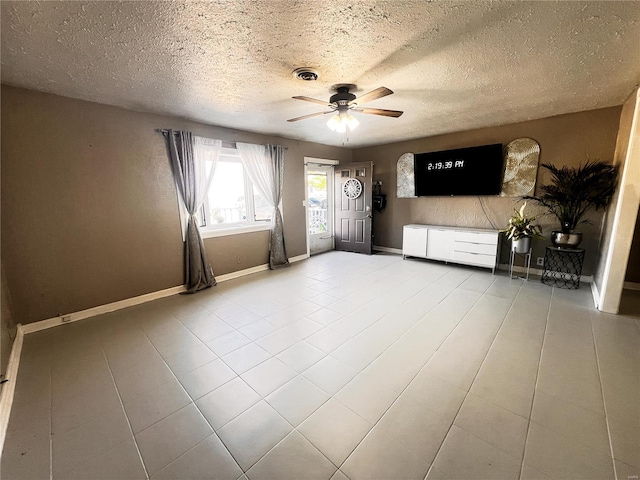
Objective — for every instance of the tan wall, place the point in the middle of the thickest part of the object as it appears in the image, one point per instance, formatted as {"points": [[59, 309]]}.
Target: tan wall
{"points": [[90, 214], [564, 140], [237, 252], [7, 327]]}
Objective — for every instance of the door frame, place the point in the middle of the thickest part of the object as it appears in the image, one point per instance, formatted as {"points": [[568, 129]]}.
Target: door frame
{"points": [[325, 162]]}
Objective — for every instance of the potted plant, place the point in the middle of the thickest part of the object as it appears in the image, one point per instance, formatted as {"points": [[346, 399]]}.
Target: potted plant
{"points": [[521, 230], [572, 193]]}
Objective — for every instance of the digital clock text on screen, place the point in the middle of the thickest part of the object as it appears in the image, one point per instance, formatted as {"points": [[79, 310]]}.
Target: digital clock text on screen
{"points": [[448, 165]]}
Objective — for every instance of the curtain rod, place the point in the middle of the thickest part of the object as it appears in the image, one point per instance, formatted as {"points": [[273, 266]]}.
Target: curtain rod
{"points": [[224, 144]]}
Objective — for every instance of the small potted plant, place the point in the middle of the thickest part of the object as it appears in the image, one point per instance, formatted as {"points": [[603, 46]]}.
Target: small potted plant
{"points": [[521, 230], [572, 193]]}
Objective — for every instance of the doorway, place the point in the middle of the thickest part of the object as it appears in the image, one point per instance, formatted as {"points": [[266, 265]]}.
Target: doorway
{"points": [[319, 188], [354, 217]]}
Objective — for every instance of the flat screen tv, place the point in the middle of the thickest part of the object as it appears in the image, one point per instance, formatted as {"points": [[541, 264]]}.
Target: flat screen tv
{"points": [[463, 171]]}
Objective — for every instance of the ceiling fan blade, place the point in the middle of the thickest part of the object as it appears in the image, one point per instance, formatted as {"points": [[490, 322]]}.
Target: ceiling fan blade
{"points": [[372, 95], [309, 116], [379, 111], [312, 100]]}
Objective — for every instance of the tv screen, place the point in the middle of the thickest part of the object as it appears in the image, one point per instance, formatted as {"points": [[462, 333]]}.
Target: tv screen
{"points": [[463, 171]]}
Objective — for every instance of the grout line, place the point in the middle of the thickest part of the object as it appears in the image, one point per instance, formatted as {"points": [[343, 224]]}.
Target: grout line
{"points": [[359, 371], [421, 368], [124, 411], [535, 387], [352, 337], [604, 403], [134, 301], [51, 410], [214, 432], [299, 374], [473, 381], [193, 402], [364, 368]]}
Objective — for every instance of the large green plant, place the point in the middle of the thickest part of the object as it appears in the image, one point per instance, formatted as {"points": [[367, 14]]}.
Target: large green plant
{"points": [[574, 191]]}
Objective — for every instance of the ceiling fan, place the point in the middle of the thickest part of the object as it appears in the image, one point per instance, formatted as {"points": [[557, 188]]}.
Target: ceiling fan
{"points": [[343, 102]]}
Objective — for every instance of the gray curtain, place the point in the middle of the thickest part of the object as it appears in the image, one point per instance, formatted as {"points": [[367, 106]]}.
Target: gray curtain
{"points": [[277, 251], [265, 167], [198, 272]]}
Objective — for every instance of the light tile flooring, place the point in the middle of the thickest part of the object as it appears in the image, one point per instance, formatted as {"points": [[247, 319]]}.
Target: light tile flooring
{"points": [[343, 366]]}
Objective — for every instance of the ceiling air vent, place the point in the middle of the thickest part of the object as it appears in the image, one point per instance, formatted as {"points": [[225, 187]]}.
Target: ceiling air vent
{"points": [[306, 74]]}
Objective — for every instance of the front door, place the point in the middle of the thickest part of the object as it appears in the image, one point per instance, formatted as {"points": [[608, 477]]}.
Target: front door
{"points": [[320, 207], [353, 213]]}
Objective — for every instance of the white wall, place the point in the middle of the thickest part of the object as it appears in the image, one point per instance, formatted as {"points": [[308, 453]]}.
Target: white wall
{"points": [[622, 213]]}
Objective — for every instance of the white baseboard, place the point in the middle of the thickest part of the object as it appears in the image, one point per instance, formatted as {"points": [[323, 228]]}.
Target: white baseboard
{"points": [[387, 249], [538, 272], [304, 256], [242, 273], [596, 295], [9, 387], [130, 302], [632, 285], [256, 269], [99, 310]]}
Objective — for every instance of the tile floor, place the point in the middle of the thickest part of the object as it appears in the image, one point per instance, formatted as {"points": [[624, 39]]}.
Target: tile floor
{"points": [[343, 366]]}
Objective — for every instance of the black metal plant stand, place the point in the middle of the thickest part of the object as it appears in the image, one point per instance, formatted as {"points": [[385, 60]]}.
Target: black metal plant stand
{"points": [[563, 267]]}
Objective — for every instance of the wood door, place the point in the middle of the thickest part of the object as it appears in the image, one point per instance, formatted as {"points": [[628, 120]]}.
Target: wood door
{"points": [[353, 215]]}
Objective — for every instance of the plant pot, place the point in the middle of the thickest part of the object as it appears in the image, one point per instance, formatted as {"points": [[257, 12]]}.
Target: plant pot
{"points": [[522, 245], [566, 240]]}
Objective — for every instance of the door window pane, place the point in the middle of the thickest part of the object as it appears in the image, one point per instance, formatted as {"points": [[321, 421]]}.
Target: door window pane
{"points": [[317, 188]]}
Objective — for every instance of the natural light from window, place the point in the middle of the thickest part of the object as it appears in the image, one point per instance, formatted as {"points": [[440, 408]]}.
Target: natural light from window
{"points": [[232, 200], [226, 198]]}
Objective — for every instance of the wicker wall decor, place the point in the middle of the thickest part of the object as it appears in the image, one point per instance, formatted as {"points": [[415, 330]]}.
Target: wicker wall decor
{"points": [[521, 167], [406, 187]]}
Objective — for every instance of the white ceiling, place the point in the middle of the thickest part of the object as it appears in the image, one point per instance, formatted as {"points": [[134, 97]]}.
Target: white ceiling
{"points": [[453, 65]]}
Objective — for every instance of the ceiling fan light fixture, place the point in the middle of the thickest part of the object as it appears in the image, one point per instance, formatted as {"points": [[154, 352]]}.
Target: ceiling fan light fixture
{"points": [[342, 103], [340, 122], [334, 122]]}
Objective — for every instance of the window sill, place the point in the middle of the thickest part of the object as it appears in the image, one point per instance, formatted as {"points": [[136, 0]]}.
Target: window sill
{"points": [[239, 230]]}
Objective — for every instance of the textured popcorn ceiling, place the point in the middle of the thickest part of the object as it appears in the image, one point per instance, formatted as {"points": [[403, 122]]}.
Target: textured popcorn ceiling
{"points": [[453, 65]]}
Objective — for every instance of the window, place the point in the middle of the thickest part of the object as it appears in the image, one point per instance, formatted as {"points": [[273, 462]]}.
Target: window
{"points": [[232, 200]]}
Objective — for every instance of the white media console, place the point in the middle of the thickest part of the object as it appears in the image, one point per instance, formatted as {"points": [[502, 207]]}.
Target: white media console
{"points": [[469, 246]]}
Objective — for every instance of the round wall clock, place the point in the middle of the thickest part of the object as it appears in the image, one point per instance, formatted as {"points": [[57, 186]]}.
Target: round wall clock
{"points": [[352, 188]]}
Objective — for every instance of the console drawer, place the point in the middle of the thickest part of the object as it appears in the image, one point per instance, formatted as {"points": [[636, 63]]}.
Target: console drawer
{"points": [[476, 237], [475, 259], [483, 248]]}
